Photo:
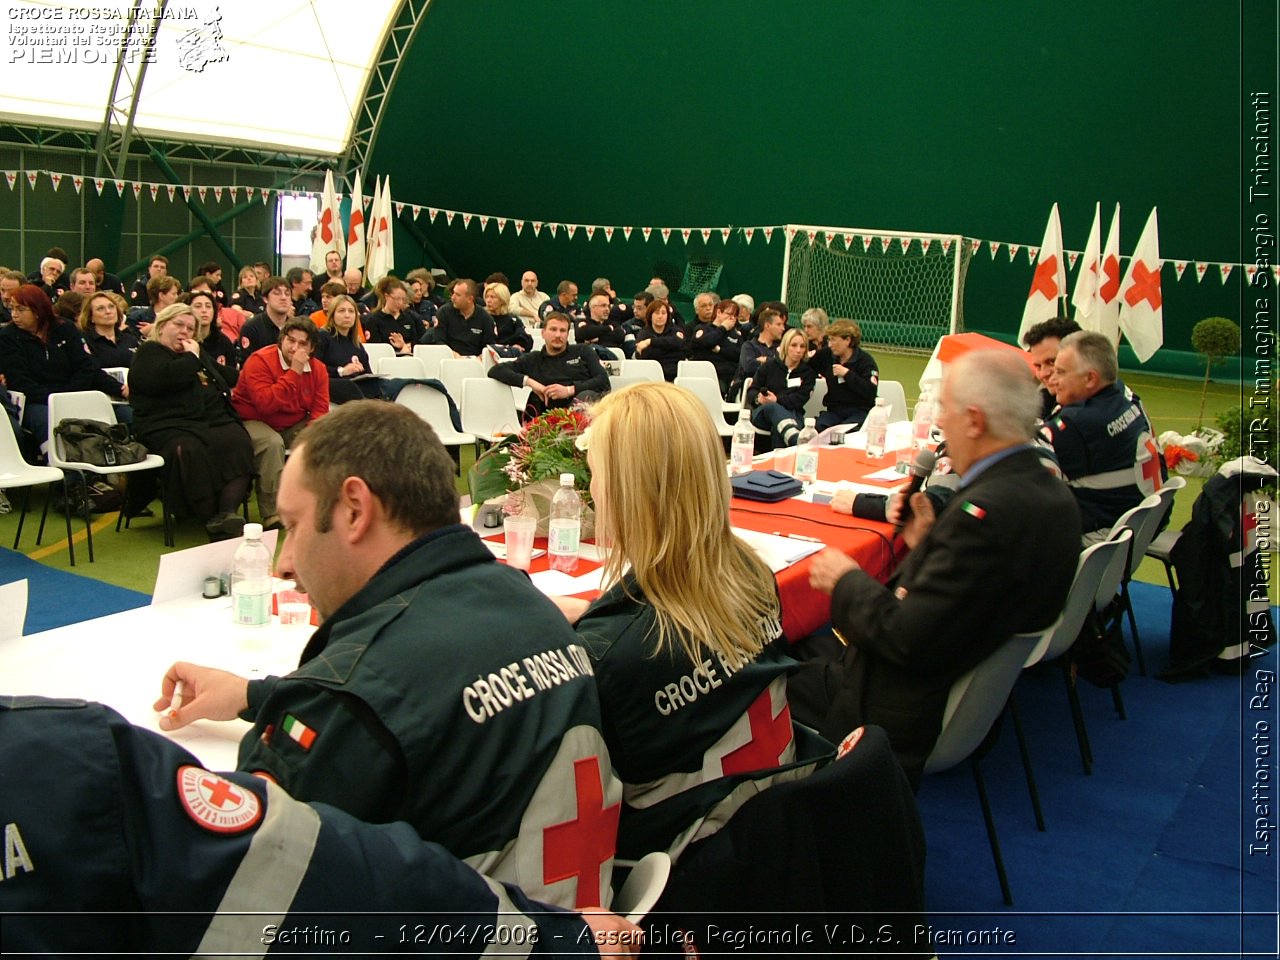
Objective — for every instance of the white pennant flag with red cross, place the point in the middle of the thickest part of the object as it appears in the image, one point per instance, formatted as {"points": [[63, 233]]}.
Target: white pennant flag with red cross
{"points": [[537, 228], [31, 177], [685, 232], [502, 224], [432, 213], [812, 235], [552, 227], [1201, 270], [975, 246], [866, 242], [570, 228], [646, 231], [203, 192], [748, 232], [1250, 270], [57, 180], [1179, 267], [1032, 254], [925, 244], [466, 221], [448, 217], [357, 249], [77, 182], [591, 232], [371, 233], [946, 246], [791, 233], [99, 183], [608, 234], [329, 233], [1085, 296], [993, 247], [120, 188], [828, 239], [416, 210], [217, 194], [666, 234], [12, 177], [884, 244], [1048, 281], [848, 240], [1275, 272], [137, 190], [484, 222], [1013, 249], [171, 190], [626, 233], [519, 226], [1141, 303], [904, 243], [1110, 272], [706, 234], [264, 193], [399, 208], [724, 234], [1224, 270], [1072, 257], [768, 234]]}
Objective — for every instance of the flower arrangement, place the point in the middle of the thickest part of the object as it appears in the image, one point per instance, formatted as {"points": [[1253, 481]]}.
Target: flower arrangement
{"points": [[547, 446]]}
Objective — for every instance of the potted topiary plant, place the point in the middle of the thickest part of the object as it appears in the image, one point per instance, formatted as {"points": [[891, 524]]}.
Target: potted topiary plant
{"points": [[1215, 339]]}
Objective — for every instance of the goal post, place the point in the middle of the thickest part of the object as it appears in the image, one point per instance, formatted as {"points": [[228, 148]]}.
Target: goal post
{"points": [[904, 289]]}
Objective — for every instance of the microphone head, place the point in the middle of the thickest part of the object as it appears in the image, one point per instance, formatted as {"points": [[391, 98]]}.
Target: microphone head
{"points": [[924, 462]]}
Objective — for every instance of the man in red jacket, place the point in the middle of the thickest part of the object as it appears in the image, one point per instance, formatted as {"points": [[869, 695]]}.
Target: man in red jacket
{"points": [[279, 392]]}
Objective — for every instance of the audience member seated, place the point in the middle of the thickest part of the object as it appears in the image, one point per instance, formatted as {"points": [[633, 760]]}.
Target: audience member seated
{"points": [[264, 329], [769, 329], [49, 277], [354, 280], [973, 578], [781, 388], [661, 339], [461, 324], [212, 271], [213, 342], [631, 318], [704, 308], [598, 328], [392, 322], [107, 282], [719, 342], [157, 266], [83, 282], [332, 273], [1100, 434], [247, 297], [105, 333], [162, 292], [565, 301], [420, 284], [658, 290], [299, 280], [415, 614], [342, 352], [331, 289], [1042, 342], [814, 323], [182, 411], [559, 373], [10, 281], [852, 378], [279, 392], [41, 354], [526, 301], [661, 498], [510, 336]]}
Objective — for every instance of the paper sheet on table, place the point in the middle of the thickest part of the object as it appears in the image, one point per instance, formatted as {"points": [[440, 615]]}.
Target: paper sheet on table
{"points": [[888, 474], [554, 583], [778, 552]]}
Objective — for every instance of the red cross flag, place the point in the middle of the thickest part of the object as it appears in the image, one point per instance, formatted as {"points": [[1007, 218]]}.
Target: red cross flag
{"points": [[355, 230], [1049, 282], [1108, 319], [382, 257], [1141, 306], [1085, 297], [328, 228]]}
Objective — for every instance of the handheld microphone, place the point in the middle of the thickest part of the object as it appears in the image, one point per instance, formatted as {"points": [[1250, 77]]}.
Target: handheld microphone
{"points": [[920, 469]]}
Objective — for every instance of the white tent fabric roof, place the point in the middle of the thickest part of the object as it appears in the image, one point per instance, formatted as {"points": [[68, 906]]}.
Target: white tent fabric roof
{"points": [[282, 74]]}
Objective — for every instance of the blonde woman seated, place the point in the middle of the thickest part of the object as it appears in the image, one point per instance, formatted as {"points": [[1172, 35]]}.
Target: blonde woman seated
{"points": [[686, 638]]}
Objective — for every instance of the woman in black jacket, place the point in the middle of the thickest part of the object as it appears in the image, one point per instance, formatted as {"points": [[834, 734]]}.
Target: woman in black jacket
{"points": [[341, 350], [781, 388], [214, 344], [182, 411], [660, 339], [512, 338]]}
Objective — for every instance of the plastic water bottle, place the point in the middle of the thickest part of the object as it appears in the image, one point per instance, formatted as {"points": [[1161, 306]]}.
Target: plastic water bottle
{"points": [[922, 421], [565, 528], [251, 579], [744, 444], [807, 452], [877, 428]]}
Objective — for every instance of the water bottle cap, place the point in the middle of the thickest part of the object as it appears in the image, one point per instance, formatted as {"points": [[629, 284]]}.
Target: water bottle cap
{"points": [[811, 421], [253, 531], [566, 479]]}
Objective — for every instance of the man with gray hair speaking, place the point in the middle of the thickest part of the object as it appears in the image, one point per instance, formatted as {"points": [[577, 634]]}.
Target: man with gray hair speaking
{"points": [[973, 577]]}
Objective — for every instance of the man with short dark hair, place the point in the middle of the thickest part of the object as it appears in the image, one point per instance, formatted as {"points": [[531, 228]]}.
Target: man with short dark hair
{"points": [[84, 282], [973, 577], [565, 301], [1042, 342], [263, 329], [1100, 433], [463, 325], [441, 688], [157, 266], [770, 326], [719, 342], [299, 281], [598, 327], [280, 392], [558, 374]]}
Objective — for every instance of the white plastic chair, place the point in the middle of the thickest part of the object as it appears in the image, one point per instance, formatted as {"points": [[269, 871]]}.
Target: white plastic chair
{"points": [[894, 395], [644, 885], [20, 401], [432, 353], [697, 368], [13, 617], [488, 409], [643, 369], [975, 704], [1142, 520], [621, 382], [815, 404], [16, 472], [92, 405], [433, 406], [708, 392], [454, 370], [410, 368], [378, 351], [1161, 548]]}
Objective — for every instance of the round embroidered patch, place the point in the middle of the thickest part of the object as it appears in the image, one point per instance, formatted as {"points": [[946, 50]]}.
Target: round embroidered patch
{"points": [[216, 803], [849, 742]]}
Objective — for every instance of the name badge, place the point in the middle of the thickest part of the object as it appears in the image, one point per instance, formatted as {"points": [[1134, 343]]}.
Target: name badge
{"points": [[793, 382]]}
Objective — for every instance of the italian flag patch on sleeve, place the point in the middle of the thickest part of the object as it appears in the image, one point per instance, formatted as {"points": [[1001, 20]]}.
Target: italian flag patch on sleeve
{"points": [[299, 731], [971, 508]]}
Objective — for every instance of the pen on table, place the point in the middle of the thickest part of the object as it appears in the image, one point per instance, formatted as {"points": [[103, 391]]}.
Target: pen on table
{"points": [[175, 702], [796, 536]]}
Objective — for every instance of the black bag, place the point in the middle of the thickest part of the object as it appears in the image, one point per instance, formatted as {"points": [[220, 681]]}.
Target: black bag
{"points": [[97, 443], [769, 486]]}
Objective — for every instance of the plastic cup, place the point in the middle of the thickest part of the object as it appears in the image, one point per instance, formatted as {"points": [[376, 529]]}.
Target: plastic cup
{"points": [[518, 534], [784, 461], [294, 607]]}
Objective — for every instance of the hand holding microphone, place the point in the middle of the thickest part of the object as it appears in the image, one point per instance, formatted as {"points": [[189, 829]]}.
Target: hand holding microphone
{"points": [[920, 470]]}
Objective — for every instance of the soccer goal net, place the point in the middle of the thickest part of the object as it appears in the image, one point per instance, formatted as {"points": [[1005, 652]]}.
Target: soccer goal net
{"points": [[904, 289]]}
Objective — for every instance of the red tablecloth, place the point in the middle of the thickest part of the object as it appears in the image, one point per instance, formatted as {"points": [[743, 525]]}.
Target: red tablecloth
{"points": [[872, 544]]}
